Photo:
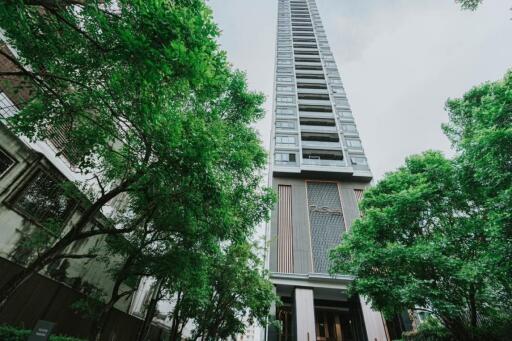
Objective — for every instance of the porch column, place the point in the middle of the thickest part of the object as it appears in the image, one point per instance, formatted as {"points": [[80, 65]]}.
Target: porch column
{"points": [[304, 315], [374, 323]]}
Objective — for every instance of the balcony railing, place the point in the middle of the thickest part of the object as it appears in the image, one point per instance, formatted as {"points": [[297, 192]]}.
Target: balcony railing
{"points": [[318, 162], [321, 144]]}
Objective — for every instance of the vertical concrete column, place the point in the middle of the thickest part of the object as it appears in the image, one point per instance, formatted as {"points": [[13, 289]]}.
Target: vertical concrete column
{"points": [[304, 315], [374, 323], [271, 333]]}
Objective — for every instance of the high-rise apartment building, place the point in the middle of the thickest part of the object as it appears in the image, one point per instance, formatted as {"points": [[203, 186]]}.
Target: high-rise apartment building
{"points": [[319, 171]]}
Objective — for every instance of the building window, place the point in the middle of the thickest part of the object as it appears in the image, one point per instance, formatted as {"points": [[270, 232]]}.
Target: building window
{"points": [[284, 70], [338, 90], [6, 162], [60, 139], [285, 139], [7, 107], [284, 79], [341, 102], [349, 128], [359, 161], [284, 62], [345, 114], [285, 157], [354, 143], [284, 111], [285, 99], [285, 124], [284, 88], [43, 199]]}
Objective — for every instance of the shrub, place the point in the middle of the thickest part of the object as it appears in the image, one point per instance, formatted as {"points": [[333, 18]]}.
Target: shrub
{"points": [[429, 330], [10, 333]]}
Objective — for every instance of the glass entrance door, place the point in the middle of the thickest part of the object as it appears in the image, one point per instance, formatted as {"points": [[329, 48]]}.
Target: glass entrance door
{"points": [[335, 325]]}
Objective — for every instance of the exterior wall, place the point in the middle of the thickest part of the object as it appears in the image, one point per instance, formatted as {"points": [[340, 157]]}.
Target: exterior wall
{"points": [[9, 83], [316, 151], [31, 157], [302, 253], [44, 299], [82, 274]]}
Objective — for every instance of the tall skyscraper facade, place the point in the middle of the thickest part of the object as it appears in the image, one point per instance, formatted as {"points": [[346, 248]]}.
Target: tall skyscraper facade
{"points": [[319, 171]]}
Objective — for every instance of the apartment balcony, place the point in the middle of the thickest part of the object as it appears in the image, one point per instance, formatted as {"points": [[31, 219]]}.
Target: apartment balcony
{"points": [[316, 114], [325, 163], [305, 82], [306, 52], [305, 73], [321, 145], [318, 129], [324, 103], [307, 60], [307, 46], [312, 91]]}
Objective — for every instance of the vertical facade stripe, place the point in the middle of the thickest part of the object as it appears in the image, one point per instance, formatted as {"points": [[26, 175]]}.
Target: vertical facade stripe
{"points": [[285, 230], [359, 194]]}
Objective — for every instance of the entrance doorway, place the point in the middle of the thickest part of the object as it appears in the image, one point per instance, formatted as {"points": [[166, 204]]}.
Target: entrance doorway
{"points": [[334, 324]]}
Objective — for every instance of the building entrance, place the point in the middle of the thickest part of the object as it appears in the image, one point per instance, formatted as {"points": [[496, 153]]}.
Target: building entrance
{"points": [[334, 325], [334, 321]]}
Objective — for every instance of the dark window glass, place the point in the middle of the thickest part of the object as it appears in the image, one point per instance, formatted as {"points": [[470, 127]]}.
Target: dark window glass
{"points": [[43, 199], [5, 162]]}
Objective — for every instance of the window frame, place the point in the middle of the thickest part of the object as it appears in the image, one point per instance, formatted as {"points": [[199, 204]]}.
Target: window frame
{"points": [[11, 166], [13, 198]]}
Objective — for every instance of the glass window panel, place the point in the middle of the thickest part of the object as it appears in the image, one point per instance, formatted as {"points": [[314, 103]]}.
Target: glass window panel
{"points": [[43, 199]]}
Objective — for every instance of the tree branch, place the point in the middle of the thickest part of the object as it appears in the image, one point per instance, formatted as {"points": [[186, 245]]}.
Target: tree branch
{"points": [[74, 256]]}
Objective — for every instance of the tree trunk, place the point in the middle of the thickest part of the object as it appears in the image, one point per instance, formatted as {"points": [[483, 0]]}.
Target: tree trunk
{"points": [[13, 284], [176, 319], [146, 325], [99, 325], [457, 328], [472, 306]]}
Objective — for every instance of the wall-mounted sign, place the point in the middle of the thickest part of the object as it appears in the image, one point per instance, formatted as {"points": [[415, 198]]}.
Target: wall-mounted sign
{"points": [[41, 331]]}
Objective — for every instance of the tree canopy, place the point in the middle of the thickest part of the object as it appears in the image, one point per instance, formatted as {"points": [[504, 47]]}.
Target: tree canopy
{"points": [[436, 233], [153, 114], [469, 4]]}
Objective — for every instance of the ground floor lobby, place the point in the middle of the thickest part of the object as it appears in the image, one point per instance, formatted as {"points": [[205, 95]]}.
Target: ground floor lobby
{"points": [[318, 308]]}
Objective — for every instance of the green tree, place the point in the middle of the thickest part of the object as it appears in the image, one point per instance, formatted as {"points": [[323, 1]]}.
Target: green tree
{"points": [[237, 293], [480, 128], [435, 234], [469, 4], [149, 106]]}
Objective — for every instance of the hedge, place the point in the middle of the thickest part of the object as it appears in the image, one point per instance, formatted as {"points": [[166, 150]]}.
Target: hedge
{"points": [[9, 333]]}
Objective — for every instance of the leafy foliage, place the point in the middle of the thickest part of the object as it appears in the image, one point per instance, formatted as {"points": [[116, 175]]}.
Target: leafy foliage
{"points": [[9, 333], [469, 4], [429, 330], [151, 110], [237, 294], [435, 234]]}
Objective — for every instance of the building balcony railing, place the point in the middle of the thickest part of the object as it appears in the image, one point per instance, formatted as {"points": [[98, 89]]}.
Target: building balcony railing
{"points": [[318, 129], [325, 103], [318, 162], [321, 145], [316, 114], [312, 91]]}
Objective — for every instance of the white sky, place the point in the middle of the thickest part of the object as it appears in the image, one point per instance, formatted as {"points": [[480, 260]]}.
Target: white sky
{"points": [[399, 60]]}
